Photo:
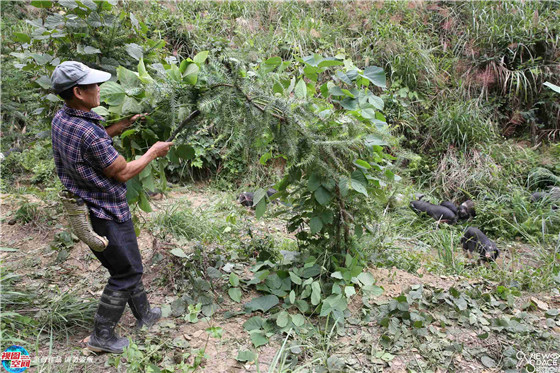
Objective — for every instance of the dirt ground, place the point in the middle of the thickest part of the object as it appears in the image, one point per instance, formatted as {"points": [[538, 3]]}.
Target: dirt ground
{"points": [[82, 274]]}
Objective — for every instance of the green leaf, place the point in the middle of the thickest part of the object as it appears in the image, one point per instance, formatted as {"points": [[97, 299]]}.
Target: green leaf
{"points": [[300, 89], [376, 75], [42, 4], [179, 252], [112, 93], [101, 110], [488, 362], [44, 82], [87, 49], [262, 303], [366, 278], [298, 320], [128, 79], [20, 37], [265, 157], [295, 279], [275, 61], [200, 57], [359, 182], [322, 196], [134, 50], [349, 291], [313, 183], [372, 140], [330, 62], [234, 279], [246, 356], [185, 152], [143, 74], [292, 297], [144, 203], [254, 323], [131, 106], [191, 74], [258, 338], [260, 209], [283, 319], [235, 294], [315, 225], [362, 164], [315, 293]]}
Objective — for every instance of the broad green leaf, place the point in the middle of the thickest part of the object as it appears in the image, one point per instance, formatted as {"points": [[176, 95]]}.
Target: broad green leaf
{"points": [[112, 93], [143, 203], [376, 75], [44, 81], [301, 89], [342, 76], [292, 297], [262, 303], [174, 73], [235, 294], [246, 356], [191, 74], [313, 183], [234, 279], [330, 62], [185, 152], [101, 110], [128, 79], [359, 182], [362, 164], [265, 157], [260, 208], [134, 50], [322, 196], [20, 37], [374, 140], [258, 196], [87, 49], [295, 278], [283, 319], [298, 319], [200, 57], [366, 278], [315, 293], [376, 101], [143, 73], [315, 224], [184, 64], [273, 61], [42, 4], [179, 252], [311, 73], [349, 291], [254, 323], [258, 338], [131, 106]]}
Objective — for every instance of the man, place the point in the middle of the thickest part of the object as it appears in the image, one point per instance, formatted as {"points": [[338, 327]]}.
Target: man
{"points": [[89, 166]]}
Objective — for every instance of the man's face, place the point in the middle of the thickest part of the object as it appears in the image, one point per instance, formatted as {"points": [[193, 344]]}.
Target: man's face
{"points": [[88, 95]]}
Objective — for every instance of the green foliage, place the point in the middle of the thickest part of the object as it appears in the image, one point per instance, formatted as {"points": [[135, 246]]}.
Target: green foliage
{"points": [[462, 124]]}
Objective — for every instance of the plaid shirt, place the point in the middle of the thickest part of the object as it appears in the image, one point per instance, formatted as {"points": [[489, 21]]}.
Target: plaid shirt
{"points": [[82, 149]]}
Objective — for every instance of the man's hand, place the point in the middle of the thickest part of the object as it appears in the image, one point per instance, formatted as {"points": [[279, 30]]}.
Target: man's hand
{"points": [[119, 127], [160, 148]]}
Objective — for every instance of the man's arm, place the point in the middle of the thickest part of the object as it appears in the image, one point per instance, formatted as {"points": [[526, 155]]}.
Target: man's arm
{"points": [[122, 171], [119, 127]]}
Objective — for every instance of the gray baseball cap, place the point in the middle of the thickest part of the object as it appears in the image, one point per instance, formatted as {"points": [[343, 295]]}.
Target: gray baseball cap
{"points": [[71, 73]]}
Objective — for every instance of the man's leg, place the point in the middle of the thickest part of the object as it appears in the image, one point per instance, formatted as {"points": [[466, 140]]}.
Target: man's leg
{"points": [[122, 259]]}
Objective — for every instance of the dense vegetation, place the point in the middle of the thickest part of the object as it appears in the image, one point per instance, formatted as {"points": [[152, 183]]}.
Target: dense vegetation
{"points": [[347, 109]]}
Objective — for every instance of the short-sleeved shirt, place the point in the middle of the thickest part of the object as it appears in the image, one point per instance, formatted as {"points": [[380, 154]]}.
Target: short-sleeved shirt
{"points": [[82, 149]]}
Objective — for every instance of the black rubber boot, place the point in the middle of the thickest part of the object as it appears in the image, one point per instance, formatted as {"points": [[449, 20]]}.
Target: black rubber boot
{"points": [[138, 302], [109, 312]]}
